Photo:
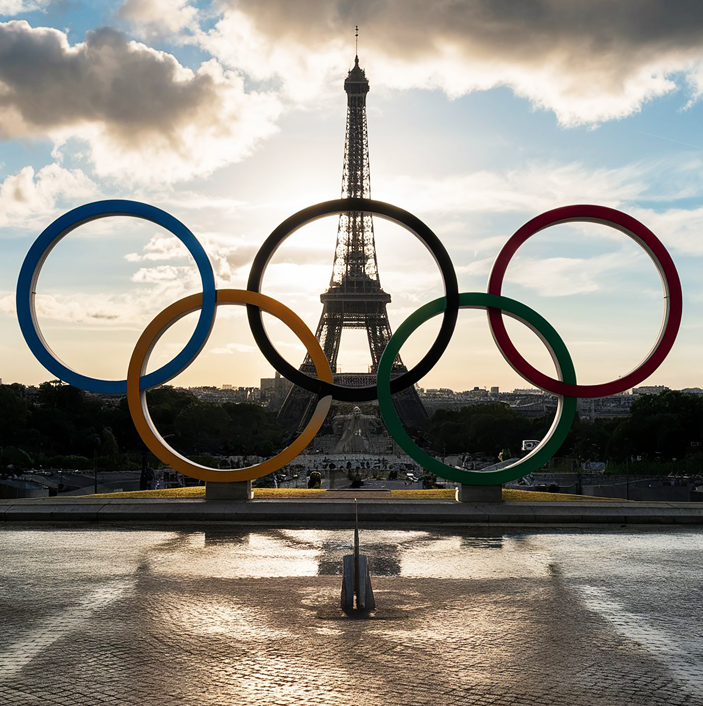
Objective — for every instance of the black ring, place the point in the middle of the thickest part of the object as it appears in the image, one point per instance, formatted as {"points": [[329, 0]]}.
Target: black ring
{"points": [[391, 213]]}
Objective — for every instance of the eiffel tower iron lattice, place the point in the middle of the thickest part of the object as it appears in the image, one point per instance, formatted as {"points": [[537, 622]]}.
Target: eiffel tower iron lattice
{"points": [[355, 298]]}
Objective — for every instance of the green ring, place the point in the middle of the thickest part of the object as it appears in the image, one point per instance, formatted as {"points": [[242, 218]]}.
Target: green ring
{"points": [[566, 406]]}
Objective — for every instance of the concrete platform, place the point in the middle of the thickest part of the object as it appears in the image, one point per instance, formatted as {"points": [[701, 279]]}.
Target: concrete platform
{"points": [[372, 511]]}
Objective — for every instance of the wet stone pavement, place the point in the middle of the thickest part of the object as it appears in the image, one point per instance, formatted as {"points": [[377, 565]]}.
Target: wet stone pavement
{"points": [[116, 616]]}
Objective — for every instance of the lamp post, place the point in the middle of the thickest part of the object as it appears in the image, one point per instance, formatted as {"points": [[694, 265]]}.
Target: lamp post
{"points": [[579, 477], [96, 445]]}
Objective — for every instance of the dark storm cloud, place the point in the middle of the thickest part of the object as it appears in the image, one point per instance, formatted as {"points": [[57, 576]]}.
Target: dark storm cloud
{"points": [[143, 115], [408, 27], [47, 84], [587, 60]]}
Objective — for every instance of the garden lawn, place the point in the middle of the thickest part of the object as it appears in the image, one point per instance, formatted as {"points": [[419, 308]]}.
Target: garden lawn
{"points": [[305, 494]]}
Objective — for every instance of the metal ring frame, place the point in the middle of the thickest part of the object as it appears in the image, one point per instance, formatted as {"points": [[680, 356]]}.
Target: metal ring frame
{"points": [[391, 213], [136, 398], [566, 406], [45, 243], [137, 382], [650, 244]]}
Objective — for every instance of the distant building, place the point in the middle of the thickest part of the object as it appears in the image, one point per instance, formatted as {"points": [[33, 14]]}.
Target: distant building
{"points": [[610, 407], [230, 393], [439, 392], [649, 389], [535, 406], [273, 391]]}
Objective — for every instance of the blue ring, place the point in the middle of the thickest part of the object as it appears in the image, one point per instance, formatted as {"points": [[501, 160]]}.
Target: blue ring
{"points": [[42, 246]]}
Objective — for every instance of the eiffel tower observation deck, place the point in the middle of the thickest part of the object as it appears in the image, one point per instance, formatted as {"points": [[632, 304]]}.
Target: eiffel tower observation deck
{"points": [[355, 298]]}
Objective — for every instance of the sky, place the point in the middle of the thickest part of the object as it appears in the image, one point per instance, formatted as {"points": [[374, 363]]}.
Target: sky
{"points": [[230, 115]]}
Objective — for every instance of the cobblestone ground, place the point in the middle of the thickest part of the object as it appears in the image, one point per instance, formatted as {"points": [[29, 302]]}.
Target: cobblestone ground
{"points": [[115, 617]]}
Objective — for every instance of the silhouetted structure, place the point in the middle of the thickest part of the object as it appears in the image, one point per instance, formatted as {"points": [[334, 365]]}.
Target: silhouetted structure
{"points": [[355, 298]]}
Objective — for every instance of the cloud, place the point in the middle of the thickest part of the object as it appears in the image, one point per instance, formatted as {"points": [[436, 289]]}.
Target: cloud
{"points": [[10, 8], [85, 308], [237, 41], [226, 254], [535, 187], [146, 118], [540, 186], [196, 201], [231, 254], [232, 348], [154, 18], [154, 288], [78, 309], [679, 229], [586, 60], [28, 198], [7, 304], [163, 275], [566, 276], [160, 248], [157, 287]]}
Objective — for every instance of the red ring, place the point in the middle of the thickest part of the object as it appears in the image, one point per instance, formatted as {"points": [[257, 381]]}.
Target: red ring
{"points": [[652, 246]]}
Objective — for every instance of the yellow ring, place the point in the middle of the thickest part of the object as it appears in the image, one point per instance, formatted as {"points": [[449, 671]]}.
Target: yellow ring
{"points": [[136, 399]]}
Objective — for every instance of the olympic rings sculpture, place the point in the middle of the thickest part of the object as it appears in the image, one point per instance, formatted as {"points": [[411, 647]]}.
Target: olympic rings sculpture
{"points": [[137, 382]]}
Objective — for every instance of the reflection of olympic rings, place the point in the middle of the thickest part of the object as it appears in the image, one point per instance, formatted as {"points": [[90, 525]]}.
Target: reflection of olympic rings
{"points": [[137, 382], [566, 407], [391, 213], [651, 245], [137, 399], [43, 245]]}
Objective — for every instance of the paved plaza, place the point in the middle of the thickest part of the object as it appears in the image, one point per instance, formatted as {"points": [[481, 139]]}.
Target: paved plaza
{"points": [[250, 616]]}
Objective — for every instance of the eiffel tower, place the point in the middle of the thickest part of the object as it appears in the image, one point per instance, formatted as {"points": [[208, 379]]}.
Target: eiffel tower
{"points": [[355, 298]]}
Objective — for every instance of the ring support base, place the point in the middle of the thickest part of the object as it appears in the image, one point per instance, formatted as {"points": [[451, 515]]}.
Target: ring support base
{"points": [[239, 491], [479, 493]]}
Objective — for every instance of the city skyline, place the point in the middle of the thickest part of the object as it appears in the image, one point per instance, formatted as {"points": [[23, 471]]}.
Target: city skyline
{"points": [[233, 119]]}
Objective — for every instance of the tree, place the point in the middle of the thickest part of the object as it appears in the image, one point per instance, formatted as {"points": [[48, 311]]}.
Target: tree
{"points": [[663, 425], [13, 416], [488, 427], [202, 427]]}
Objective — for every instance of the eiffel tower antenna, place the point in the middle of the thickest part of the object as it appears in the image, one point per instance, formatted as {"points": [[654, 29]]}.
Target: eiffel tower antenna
{"points": [[356, 35], [355, 298]]}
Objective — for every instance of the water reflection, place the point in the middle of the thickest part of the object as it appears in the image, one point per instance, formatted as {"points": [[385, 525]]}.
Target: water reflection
{"points": [[154, 613], [272, 553], [279, 553], [482, 542], [385, 558]]}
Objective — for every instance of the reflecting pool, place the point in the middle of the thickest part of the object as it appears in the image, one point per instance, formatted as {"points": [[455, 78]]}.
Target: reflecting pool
{"points": [[250, 615]]}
